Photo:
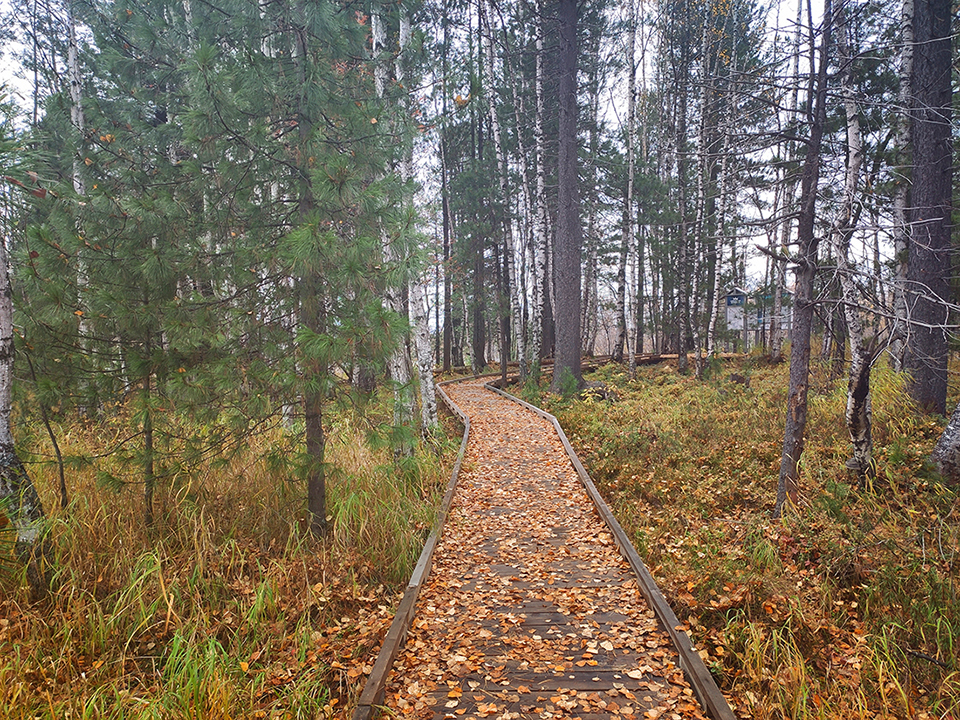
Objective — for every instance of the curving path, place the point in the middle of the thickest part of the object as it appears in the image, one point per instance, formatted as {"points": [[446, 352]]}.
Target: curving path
{"points": [[530, 611]]}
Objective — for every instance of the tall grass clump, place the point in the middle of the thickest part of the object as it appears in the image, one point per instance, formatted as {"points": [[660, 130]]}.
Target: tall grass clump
{"points": [[226, 607], [849, 606]]}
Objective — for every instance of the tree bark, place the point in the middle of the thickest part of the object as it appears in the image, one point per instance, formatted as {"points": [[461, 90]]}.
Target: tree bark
{"points": [[901, 198], [859, 413], [928, 272], [540, 244], [312, 315], [566, 367], [401, 373], [946, 453], [796, 420]]}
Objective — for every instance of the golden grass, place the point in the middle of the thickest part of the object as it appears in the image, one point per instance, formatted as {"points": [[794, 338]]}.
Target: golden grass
{"points": [[226, 607]]}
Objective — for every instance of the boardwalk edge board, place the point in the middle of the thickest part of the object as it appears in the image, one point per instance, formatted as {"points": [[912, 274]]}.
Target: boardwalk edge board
{"points": [[700, 679], [375, 687]]}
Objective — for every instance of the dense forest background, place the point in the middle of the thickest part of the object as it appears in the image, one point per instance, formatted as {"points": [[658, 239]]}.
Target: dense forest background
{"points": [[243, 235]]}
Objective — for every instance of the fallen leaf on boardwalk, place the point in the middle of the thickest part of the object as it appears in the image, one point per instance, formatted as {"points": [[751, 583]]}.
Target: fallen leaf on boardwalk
{"points": [[527, 582]]}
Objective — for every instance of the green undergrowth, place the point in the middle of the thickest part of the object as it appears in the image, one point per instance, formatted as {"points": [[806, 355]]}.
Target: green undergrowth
{"points": [[848, 607], [227, 607]]}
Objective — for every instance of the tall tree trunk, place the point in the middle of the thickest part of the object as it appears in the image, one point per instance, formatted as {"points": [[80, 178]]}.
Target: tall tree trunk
{"points": [[416, 292], [901, 198], [928, 272], [796, 422], [447, 289], [312, 311], [566, 366], [859, 415], [526, 344], [685, 276], [401, 374], [628, 217], [789, 189], [726, 203], [540, 246]]}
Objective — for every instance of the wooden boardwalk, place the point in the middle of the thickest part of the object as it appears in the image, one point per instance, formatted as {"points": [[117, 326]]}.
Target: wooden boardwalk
{"points": [[530, 609]]}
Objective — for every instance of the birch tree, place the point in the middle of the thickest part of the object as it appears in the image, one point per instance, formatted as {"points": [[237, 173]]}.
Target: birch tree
{"points": [[859, 413]]}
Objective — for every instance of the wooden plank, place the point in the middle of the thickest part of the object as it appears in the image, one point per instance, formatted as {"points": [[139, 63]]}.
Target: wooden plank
{"points": [[696, 672]]}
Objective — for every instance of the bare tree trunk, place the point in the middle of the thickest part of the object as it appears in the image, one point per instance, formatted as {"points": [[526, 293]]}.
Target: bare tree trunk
{"points": [[901, 228], [684, 270], [540, 247], [859, 413], [796, 422], [928, 271], [400, 362], [527, 345], [629, 233], [447, 290], [724, 209], [566, 366], [789, 189]]}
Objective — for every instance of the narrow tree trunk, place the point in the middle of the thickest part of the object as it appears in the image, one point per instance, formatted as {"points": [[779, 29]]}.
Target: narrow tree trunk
{"points": [[859, 414], [796, 421], [724, 210], [901, 227], [684, 270], [540, 245], [628, 228], [447, 290], [312, 316], [789, 189]]}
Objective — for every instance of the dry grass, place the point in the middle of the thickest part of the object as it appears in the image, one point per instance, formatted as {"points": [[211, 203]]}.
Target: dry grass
{"points": [[849, 607], [226, 608]]}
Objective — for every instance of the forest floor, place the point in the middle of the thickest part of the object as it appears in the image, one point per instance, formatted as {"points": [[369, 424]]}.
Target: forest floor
{"points": [[846, 608]]}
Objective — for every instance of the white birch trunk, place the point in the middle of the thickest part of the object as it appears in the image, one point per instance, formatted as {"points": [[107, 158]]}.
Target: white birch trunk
{"points": [[399, 363], [421, 325], [859, 412], [901, 229], [419, 318], [628, 216], [542, 283], [76, 97], [724, 210]]}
